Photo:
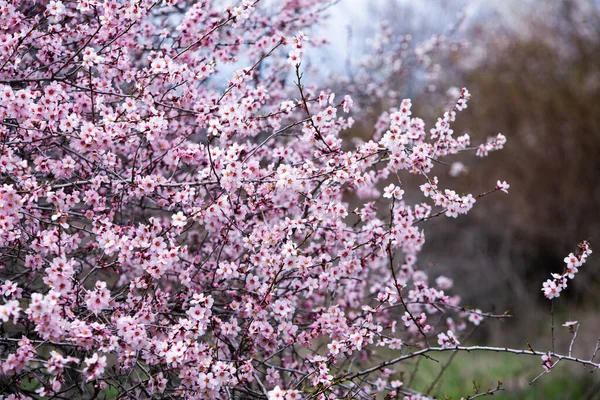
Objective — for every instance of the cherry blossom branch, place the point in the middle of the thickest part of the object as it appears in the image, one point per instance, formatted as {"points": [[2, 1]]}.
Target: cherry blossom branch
{"points": [[468, 349], [273, 135], [305, 104]]}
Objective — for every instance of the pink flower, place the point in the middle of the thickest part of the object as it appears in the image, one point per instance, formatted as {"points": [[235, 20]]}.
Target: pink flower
{"points": [[503, 186], [334, 348], [547, 362], [11, 290], [347, 103], [448, 340], [475, 317], [179, 219], [572, 261], [393, 191], [295, 57], [10, 310], [276, 394], [550, 289], [158, 65], [95, 366], [55, 8], [56, 363], [570, 324], [98, 299]]}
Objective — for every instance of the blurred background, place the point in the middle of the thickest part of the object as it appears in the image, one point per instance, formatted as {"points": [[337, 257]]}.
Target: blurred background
{"points": [[533, 68]]}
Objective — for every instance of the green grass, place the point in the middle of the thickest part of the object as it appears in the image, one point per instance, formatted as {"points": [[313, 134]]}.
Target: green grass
{"points": [[515, 373]]}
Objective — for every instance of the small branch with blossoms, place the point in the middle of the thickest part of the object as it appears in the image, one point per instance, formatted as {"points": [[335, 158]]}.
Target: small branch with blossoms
{"points": [[304, 101], [553, 287]]}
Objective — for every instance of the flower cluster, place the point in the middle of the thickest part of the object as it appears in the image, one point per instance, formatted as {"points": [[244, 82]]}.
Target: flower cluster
{"points": [[492, 144], [553, 287], [448, 340]]}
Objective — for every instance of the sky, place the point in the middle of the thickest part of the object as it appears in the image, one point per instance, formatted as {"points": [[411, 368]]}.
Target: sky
{"points": [[360, 16]]}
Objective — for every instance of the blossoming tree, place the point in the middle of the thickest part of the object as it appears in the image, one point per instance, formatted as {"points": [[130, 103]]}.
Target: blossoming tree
{"points": [[166, 235]]}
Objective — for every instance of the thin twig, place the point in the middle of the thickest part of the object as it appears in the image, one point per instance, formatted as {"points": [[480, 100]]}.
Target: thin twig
{"points": [[573, 340], [544, 373], [552, 323]]}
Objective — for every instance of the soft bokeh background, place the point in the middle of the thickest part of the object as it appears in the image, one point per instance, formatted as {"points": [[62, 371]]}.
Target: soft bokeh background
{"points": [[533, 68]]}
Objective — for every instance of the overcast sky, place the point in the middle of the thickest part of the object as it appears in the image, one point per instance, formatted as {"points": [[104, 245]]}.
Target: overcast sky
{"points": [[360, 16]]}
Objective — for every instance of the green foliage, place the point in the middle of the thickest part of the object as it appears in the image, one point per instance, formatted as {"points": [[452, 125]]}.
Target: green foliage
{"points": [[485, 370]]}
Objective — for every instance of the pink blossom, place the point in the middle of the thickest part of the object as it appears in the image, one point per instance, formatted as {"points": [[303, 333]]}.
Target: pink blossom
{"points": [[570, 324], [393, 191], [95, 366], [547, 362], [551, 290], [179, 219], [448, 340], [502, 186]]}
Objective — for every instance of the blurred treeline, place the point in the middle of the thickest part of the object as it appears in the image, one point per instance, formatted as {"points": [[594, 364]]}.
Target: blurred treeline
{"points": [[533, 69], [539, 84]]}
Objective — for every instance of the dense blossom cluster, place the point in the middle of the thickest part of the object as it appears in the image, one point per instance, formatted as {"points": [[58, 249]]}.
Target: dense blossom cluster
{"points": [[166, 235]]}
